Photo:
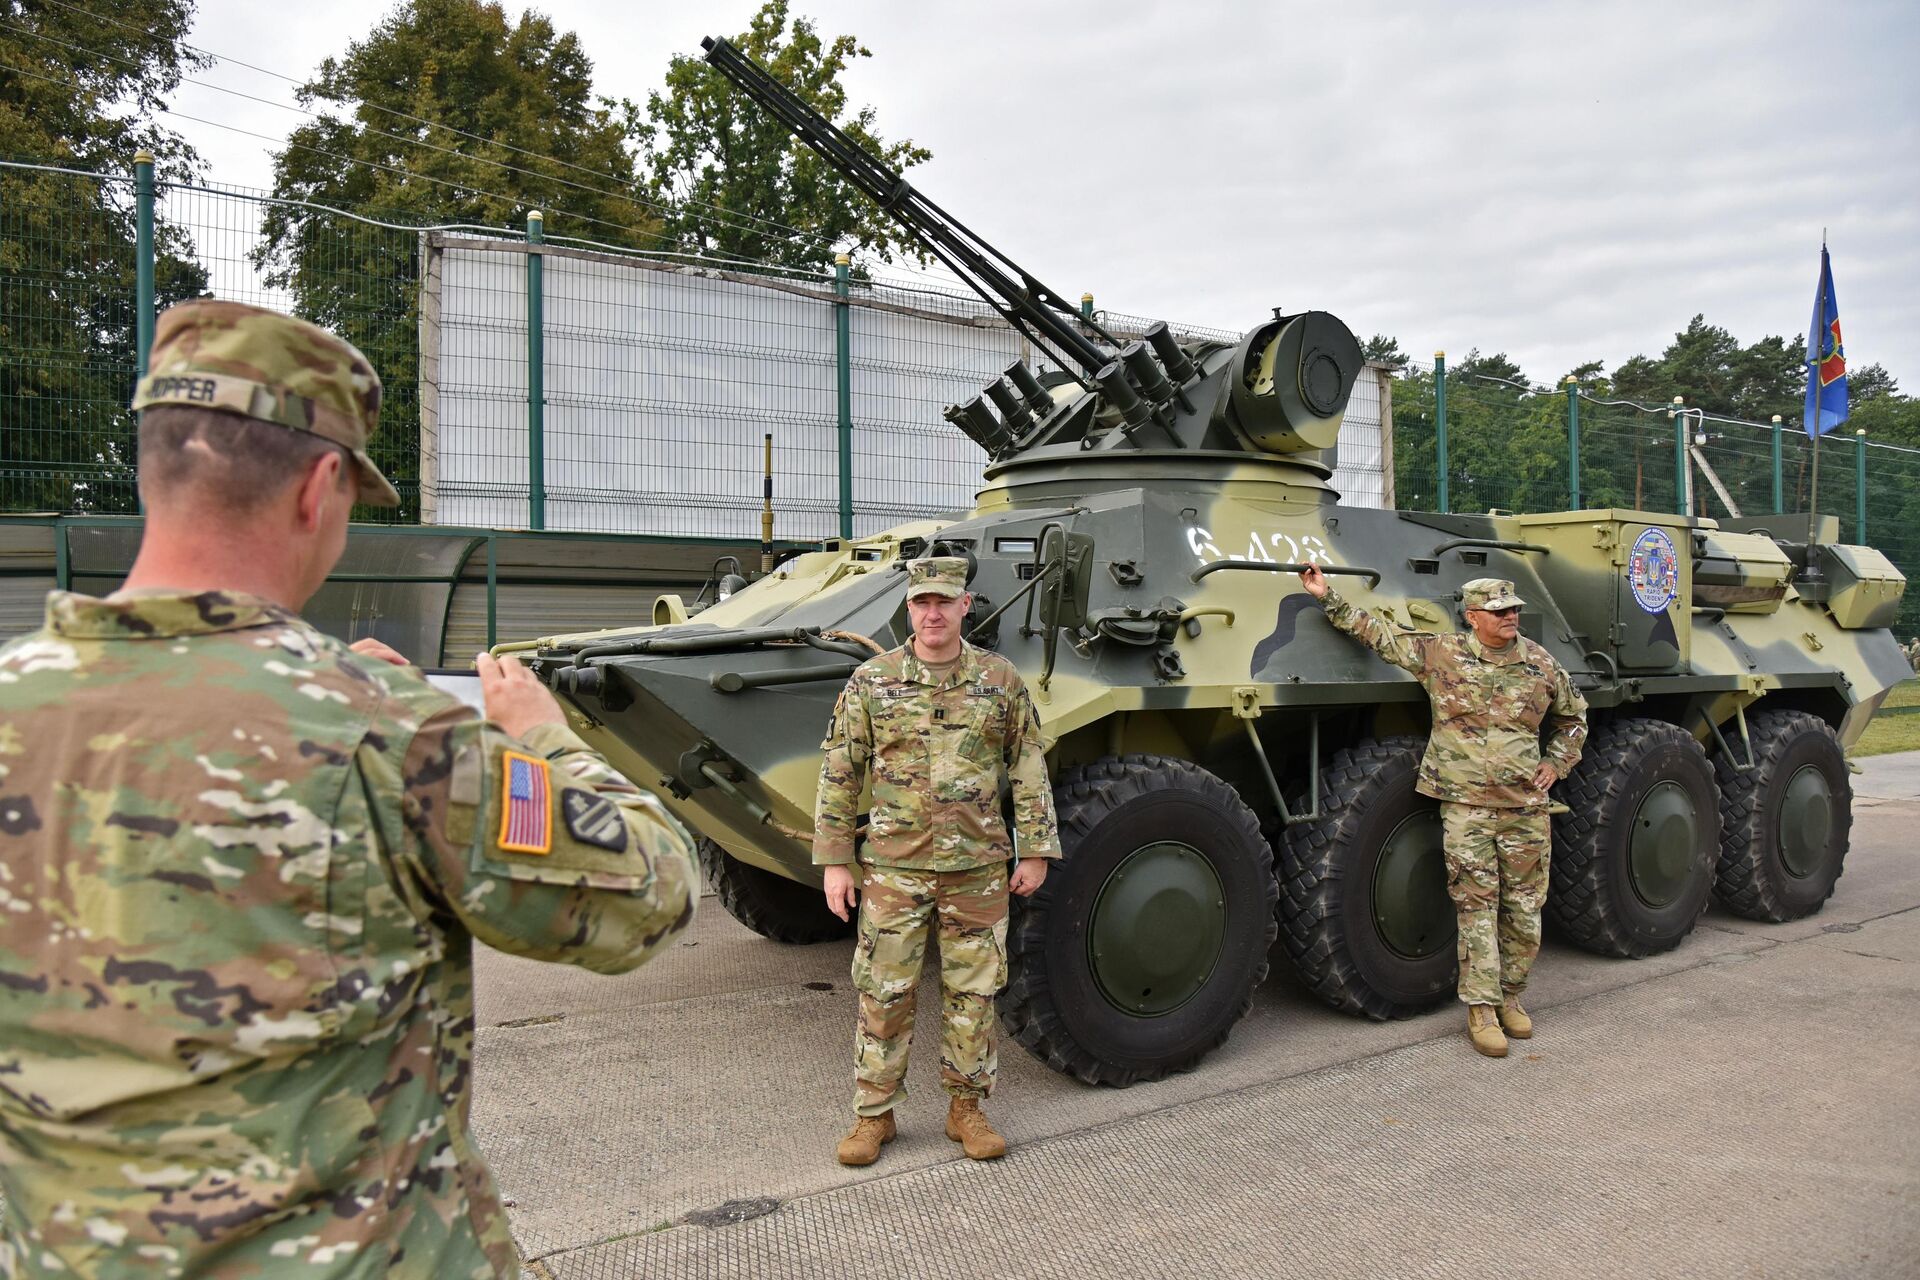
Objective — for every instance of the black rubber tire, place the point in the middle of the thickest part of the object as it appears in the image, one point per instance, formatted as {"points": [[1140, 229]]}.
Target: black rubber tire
{"points": [[1750, 879], [771, 905], [1107, 809], [1590, 894], [1326, 887]]}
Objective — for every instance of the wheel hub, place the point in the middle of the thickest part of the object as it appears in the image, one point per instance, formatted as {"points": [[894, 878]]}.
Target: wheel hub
{"points": [[1411, 909], [1666, 831], [1806, 821], [1157, 928]]}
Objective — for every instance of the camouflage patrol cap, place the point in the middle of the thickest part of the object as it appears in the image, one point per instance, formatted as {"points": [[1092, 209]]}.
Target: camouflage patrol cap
{"points": [[228, 356], [937, 576], [1489, 593]]}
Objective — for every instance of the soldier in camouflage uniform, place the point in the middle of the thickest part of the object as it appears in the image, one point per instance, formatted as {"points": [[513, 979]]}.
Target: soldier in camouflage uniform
{"points": [[1491, 689], [242, 867], [938, 729]]}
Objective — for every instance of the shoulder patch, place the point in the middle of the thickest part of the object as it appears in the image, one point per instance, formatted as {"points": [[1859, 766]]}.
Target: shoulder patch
{"points": [[594, 819], [526, 816]]}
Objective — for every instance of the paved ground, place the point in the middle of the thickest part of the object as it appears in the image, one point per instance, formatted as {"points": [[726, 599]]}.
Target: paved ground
{"points": [[1748, 1105]]}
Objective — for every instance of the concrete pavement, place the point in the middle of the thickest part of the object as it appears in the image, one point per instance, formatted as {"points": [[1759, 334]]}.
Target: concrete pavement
{"points": [[1748, 1104]]}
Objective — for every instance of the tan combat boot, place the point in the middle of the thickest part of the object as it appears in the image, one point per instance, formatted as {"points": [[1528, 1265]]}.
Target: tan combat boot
{"points": [[1515, 1019], [968, 1125], [1484, 1030], [870, 1133]]}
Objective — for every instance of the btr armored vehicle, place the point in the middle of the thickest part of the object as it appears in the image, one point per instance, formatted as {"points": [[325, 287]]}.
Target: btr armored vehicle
{"points": [[1229, 769]]}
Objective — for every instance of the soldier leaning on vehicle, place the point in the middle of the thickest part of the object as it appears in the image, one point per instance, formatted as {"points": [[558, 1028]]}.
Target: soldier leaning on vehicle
{"points": [[242, 867], [939, 728], [1490, 689]]}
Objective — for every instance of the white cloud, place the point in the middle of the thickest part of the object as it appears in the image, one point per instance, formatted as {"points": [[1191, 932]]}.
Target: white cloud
{"points": [[1559, 181]]}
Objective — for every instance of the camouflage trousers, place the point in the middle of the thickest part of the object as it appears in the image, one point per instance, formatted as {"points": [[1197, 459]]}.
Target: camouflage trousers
{"points": [[1497, 861], [899, 907]]}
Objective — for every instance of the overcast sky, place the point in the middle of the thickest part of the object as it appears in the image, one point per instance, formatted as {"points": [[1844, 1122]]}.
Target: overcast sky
{"points": [[1562, 182]]}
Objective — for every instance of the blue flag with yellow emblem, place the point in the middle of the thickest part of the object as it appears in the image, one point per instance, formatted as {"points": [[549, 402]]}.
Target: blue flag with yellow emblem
{"points": [[1826, 359]]}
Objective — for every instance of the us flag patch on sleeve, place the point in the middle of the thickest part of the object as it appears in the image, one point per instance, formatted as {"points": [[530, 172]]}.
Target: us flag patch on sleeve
{"points": [[526, 818]]}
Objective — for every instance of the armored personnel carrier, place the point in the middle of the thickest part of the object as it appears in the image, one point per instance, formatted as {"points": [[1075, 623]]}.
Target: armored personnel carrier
{"points": [[1228, 769]]}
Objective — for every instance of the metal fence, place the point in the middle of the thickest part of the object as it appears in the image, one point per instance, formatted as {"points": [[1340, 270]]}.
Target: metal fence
{"points": [[531, 382], [659, 380], [1541, 449]]}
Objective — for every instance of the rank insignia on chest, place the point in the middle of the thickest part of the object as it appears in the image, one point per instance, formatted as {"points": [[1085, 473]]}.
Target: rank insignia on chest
{"points": [[526, 819], [939, 713], [594, 819]]}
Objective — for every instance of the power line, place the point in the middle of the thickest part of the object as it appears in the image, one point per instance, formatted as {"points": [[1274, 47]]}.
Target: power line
{"points": [[737, 219]]}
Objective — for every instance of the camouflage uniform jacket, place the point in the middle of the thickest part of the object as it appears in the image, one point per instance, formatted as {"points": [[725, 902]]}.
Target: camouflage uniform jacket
{"points": [[936, 756], [1488, 705], [241, 871]]}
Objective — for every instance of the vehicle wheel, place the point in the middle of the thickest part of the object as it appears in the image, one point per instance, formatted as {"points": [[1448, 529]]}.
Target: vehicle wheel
{"points": [[1143, 947], [1363, 891], [1633, 859], [770, 905], [1784, 823]]}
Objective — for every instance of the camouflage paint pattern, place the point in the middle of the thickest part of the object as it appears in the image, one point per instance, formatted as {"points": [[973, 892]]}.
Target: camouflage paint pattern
{"points": [[241, 873], [1488, 706], [899, 907], [256, 363], [937, 576], [934, 752], [1497, 863]]}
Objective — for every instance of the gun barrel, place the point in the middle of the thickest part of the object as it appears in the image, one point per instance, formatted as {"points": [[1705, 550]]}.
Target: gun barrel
{"points": [[1027, 305]]}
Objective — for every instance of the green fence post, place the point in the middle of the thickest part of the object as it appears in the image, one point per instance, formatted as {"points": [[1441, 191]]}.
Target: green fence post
{"points": [[142, 258], [1440, 423], [1678, 413], [843, 376], [1779, 488], [62, 557], [493, 590], [1860, 485], [1086, 306], [1573, 443], [536, 381]]}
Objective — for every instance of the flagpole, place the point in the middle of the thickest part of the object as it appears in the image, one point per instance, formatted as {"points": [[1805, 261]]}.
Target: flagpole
{"points": [[1813, 495]]}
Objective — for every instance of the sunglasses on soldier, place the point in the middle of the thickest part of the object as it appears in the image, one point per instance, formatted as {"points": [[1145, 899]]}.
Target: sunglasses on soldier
{"points": [[1507, 612]]}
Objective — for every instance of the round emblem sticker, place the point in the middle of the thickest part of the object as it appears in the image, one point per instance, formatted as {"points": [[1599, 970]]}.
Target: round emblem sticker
{"points": [[1654, 571]]}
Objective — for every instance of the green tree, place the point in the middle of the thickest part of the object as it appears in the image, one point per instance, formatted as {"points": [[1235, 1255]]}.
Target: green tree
{"points": [[1382, 349], [740, 186], [456, 115], [78, 91]]}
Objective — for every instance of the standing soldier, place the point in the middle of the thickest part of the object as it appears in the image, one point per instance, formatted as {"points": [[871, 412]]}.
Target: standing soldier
{"points": [[242, 867], [1490, 691], [940, 729]]}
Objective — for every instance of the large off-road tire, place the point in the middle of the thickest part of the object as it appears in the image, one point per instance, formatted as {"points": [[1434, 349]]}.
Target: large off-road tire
{"points": [[1364, 911], [1143, 947], [1786, 822], [770, 905], [1633, 858]]}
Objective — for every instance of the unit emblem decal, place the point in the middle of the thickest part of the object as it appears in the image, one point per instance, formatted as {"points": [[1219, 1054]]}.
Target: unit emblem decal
{"points": [[1653, 571]]}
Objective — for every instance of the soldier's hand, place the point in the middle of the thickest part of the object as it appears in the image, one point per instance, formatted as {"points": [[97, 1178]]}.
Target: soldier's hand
{"points": [[841, 893], [368, 647], [1544, 777], [1028, 874], [1314, 581], [515, 699]]}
